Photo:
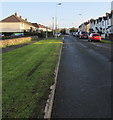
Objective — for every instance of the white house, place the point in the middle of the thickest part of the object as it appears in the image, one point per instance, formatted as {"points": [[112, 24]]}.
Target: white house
{"points": [[85, 26], [112, 17], [102, 25]]}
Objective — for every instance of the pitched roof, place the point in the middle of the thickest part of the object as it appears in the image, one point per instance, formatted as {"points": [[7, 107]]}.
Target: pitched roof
{"points": [[11, 18], [36, 25], [15, 18], [41, 26]]}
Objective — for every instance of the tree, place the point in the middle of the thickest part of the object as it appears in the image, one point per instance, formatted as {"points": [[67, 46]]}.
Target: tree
{"points": [[73, 29], [63, 31]]}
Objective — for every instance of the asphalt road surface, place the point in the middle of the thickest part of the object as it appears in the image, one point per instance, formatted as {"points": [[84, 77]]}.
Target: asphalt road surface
{"points": [[84, 80]]}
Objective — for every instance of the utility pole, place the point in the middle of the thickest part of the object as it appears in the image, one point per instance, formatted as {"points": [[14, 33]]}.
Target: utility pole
{"points": [[53, 26], [46, 32]]}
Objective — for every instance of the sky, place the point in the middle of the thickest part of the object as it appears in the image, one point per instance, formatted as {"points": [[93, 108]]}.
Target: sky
{"points": [[69, 14]]}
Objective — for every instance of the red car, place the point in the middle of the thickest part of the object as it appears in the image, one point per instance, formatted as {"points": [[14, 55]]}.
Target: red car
{"points": [[94, 37]]}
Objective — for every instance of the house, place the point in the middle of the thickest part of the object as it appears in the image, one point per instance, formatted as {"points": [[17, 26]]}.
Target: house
{"points": [[85, 27], [92, 25], [108, 23], [15, 23], [102, 25], [40, 27], [112, 21], [36, 26]]}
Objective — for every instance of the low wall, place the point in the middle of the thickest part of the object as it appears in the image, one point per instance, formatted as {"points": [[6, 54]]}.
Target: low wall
{"points": [[16, 41]]}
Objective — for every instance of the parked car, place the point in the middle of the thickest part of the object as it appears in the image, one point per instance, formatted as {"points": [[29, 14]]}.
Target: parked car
{"points": [[57, 34], [17, 34], [77, 34], [83, 34], [1, 35], [94, 37], [74, 33]]}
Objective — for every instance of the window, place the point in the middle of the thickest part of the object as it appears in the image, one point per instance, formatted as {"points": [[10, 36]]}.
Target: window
{"points": [[102, 23], [22, 24], [96, 35], [108, 22], [90, 35]]}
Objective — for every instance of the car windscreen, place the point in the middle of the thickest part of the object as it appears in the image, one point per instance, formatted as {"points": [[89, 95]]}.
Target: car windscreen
{"points": [[84, 33]]}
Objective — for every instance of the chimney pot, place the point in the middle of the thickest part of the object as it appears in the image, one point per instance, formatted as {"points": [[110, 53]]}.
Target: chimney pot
{"points": [[107, 14], [16, 14], [26, 19], [20, 16]]}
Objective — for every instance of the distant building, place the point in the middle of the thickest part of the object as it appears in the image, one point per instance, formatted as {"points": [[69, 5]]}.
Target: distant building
{"points": [[102, 25], [85, 26], [42, 27], [67, 31], [112, 16], [15, 23], [36, 26], [112, 22]]}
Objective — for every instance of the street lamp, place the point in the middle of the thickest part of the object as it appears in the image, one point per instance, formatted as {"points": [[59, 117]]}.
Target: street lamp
{"points": [[53, 26], [56, 17], [46, 32]]}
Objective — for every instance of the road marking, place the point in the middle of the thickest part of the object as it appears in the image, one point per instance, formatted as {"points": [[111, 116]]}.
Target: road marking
{"points": [[82, 45], [98, 45]]}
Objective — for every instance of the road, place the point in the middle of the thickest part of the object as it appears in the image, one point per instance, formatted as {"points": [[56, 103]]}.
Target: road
{"points": [[84, 80]]}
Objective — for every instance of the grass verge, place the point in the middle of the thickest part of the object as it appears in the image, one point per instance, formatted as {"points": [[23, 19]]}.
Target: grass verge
{"points": [[28, 73], [106, 41]]}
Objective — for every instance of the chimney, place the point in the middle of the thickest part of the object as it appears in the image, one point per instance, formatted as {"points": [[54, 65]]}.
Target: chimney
{"points": [[20, 16], [107, 14], [16, 14], [26, 19]]}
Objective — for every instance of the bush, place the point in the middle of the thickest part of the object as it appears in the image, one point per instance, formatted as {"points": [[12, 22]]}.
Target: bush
{"points": [[111, 36]]}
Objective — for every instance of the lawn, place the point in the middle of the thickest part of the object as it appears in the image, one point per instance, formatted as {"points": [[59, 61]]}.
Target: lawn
{"points": [[106, 41], [27, 75]]}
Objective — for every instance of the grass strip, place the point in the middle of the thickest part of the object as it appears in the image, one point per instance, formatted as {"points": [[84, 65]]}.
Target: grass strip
{"points": [[28, 73], [106, 41]]}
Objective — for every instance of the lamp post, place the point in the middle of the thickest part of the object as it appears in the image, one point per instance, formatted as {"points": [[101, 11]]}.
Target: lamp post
{"points": [[46, 32], [53, 26], [56, 18]]}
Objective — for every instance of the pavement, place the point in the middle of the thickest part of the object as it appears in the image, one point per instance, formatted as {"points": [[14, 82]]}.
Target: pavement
{"points": [[83, 87]]}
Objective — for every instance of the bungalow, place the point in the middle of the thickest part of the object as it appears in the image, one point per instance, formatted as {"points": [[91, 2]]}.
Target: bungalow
{"points": [[15, 23]]}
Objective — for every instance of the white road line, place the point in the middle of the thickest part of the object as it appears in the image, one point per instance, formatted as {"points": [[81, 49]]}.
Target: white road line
{"points": [[100, 45]]}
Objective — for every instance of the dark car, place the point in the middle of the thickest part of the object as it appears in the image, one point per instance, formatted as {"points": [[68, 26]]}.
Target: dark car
{"points": [[83, 35]]}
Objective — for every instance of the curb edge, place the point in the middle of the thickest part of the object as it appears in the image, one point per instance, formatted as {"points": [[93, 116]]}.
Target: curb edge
{"points": [[49, 103]]}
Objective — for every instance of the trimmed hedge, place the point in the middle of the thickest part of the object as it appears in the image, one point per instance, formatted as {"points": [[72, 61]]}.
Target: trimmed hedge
{"points": [[16, 41]]}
